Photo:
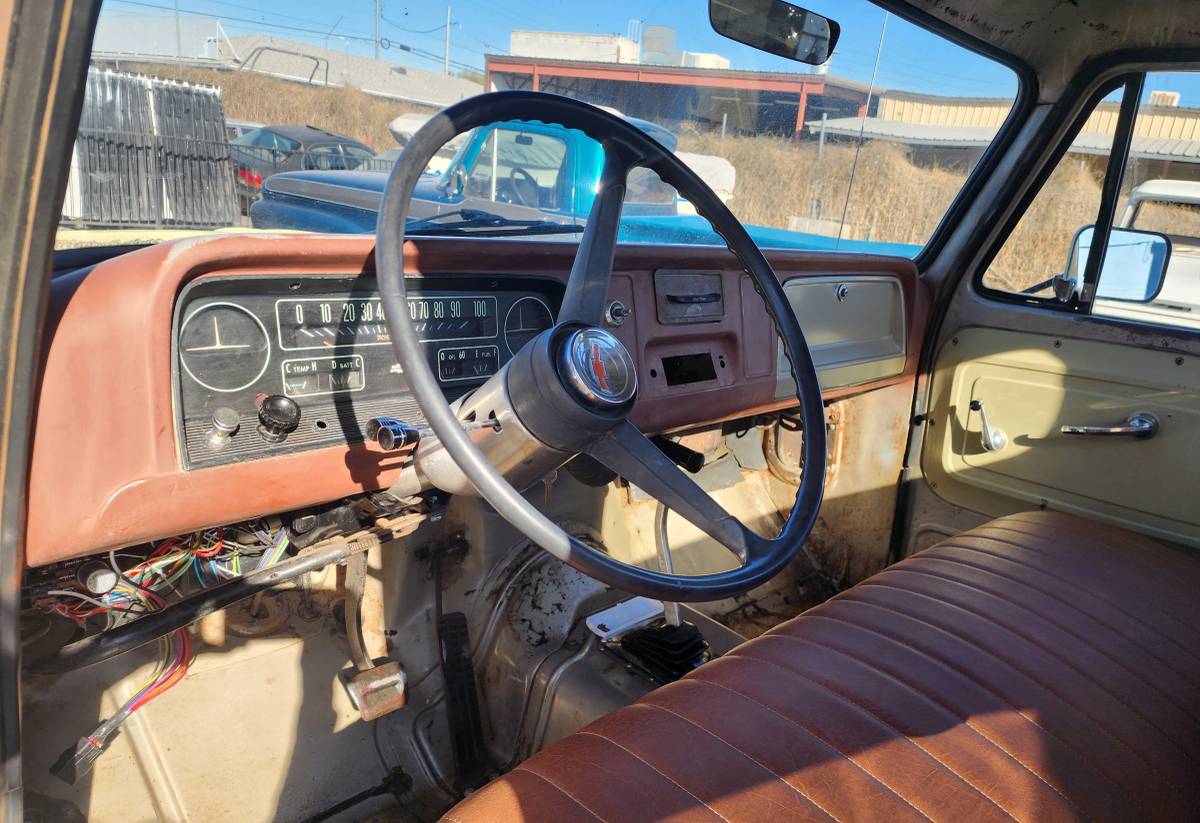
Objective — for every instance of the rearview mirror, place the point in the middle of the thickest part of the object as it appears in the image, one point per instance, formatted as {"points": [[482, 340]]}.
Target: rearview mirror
{"points": [[1135, 263], [776, 27]]}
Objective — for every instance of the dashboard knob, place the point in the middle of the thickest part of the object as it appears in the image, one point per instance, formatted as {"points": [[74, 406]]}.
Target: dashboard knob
{"points": [[278, 416], [391, 434], [224, 425]]}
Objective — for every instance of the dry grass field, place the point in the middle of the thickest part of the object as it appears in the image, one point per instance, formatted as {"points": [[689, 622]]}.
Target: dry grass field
{"points": [[894, 200], [262, 99]]}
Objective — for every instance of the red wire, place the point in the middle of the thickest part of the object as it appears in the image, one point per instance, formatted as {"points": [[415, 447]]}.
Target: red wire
{"points": [[213, 552]]}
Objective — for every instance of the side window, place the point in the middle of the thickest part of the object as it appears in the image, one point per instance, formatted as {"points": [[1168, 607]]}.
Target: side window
{"points": [[1159, 210], [1151, 268], [324, 158], [525, 168], [1039, 248], [356, 157]]}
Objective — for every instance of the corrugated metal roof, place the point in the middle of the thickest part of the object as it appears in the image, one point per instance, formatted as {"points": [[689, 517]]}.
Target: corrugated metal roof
{"points": [[951, 137]]}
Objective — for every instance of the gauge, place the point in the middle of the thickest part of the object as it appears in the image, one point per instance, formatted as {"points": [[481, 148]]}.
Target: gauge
{"points": [[223, 347], [526, 319]]}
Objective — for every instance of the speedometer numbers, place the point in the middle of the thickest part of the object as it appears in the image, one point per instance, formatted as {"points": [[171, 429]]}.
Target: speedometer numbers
{"points": [[322, 323]]}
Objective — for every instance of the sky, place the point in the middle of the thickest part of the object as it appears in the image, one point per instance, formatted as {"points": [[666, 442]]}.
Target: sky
{"points": [[912, 59]]}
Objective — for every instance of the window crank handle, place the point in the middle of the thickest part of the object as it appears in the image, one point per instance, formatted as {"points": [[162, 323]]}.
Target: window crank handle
{"points": [[993, 439]]}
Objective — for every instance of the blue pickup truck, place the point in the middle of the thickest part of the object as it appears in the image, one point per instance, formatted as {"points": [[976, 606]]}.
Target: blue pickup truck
{"points": [[535, 173]]}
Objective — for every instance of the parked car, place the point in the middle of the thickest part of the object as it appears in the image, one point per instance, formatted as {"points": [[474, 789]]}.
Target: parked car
{"points": [[530, 171], [520, 170], [267, 150], [1172, 208], [237, 128]]}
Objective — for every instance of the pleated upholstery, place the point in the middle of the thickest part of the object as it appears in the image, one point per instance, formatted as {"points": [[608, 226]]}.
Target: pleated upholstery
{"points": [[1040, 667]]}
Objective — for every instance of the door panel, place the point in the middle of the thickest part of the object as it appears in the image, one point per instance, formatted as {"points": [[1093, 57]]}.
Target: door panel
{"points": [[1031, 385]]}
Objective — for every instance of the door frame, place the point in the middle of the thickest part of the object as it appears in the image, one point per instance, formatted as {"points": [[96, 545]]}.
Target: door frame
{"points": [[45, 48], [954, 273]]}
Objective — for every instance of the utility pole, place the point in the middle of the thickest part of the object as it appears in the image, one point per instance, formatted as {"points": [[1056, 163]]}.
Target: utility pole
{"points": [[446, 53], [378, 35], [178, 38]]}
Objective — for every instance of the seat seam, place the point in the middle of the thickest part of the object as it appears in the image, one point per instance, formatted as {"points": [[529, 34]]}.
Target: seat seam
{"points": [[1115, 629], [523, 768], [1137, 557], [919, 693], [659, 771], [1070, 633], [1104, 729], [891, 789], [989, 619], [1046, 552], [1063, 581], [965, 675], [863, 708], [745, 755]]}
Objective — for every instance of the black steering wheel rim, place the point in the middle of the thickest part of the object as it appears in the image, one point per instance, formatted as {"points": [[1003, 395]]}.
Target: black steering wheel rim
{"points": [[625, 147], [513, 174]]}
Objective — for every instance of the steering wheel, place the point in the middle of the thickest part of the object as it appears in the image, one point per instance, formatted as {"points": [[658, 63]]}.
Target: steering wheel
{"points": [[571, 388], [526, 184]]}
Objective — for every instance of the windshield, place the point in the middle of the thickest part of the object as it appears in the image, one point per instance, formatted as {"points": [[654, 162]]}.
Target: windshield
{"points": [[206, 116]]}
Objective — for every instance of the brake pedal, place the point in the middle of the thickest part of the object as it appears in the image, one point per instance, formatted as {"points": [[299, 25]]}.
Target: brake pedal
{"points": [[375, 690]]}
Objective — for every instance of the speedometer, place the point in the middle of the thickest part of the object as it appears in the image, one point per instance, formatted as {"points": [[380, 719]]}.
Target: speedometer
{"points": [[331, 322], [526, 319]]}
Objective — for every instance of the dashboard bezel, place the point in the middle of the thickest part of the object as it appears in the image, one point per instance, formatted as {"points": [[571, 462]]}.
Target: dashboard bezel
{"points": [[346, 424]]}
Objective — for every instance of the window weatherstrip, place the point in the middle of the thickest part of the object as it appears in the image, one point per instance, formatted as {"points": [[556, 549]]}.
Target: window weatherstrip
{"points": [[1111, 190]]}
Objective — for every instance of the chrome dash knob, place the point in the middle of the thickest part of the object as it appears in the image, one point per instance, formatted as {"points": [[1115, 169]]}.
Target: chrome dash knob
{"points": [[392, 434], [224, 425]]}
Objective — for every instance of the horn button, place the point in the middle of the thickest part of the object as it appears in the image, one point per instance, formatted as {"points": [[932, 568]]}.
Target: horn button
{"points": [[598, 369]]}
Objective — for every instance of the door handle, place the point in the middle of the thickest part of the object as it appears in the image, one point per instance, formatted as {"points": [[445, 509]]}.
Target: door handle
{"points": [[1142, 425]]}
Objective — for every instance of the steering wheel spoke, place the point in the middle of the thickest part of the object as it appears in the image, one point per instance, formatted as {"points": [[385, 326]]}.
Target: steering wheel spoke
{"points": [[587, 287], [630, 454], [562, 414]]}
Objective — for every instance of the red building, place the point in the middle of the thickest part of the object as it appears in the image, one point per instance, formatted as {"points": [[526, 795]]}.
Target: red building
{"points": [[742, 101]]}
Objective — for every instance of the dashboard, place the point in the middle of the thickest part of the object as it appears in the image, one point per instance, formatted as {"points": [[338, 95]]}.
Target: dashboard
{"points": [[144, 353], [323, 342]]}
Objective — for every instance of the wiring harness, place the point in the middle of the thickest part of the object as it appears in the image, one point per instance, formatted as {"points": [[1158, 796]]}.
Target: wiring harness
{"points": [[173, 569]]}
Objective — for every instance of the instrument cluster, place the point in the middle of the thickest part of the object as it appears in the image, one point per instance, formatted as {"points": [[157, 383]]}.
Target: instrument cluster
{"points": [[318, 348]]}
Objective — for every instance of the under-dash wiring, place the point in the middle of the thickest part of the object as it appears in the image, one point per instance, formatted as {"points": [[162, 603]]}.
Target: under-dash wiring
{"points": [[171, 570]]}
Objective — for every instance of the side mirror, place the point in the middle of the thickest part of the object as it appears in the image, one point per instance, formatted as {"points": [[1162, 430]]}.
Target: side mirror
{"points": [[1135, 263], [776, 27]]}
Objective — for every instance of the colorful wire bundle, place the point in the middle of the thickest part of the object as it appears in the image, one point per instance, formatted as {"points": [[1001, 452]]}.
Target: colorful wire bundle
{"points": [[211, 559]]}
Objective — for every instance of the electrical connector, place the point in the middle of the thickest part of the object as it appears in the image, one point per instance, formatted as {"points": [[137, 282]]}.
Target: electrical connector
{"points": [[77, 760]]}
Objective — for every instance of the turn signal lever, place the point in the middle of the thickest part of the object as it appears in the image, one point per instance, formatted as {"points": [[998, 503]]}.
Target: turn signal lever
{"points": [[689, 459]]}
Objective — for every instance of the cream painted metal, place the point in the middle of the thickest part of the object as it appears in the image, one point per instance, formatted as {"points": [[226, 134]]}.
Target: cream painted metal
{"points": [[1034, 384], [854, 327]]}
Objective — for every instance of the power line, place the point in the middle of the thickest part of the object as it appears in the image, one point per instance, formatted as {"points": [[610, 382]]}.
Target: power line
{"points": [[259, 24], [394, 24]]}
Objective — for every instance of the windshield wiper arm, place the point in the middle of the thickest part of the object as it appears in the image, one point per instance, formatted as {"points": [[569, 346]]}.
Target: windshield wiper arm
{"points": [[485, 223]]}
